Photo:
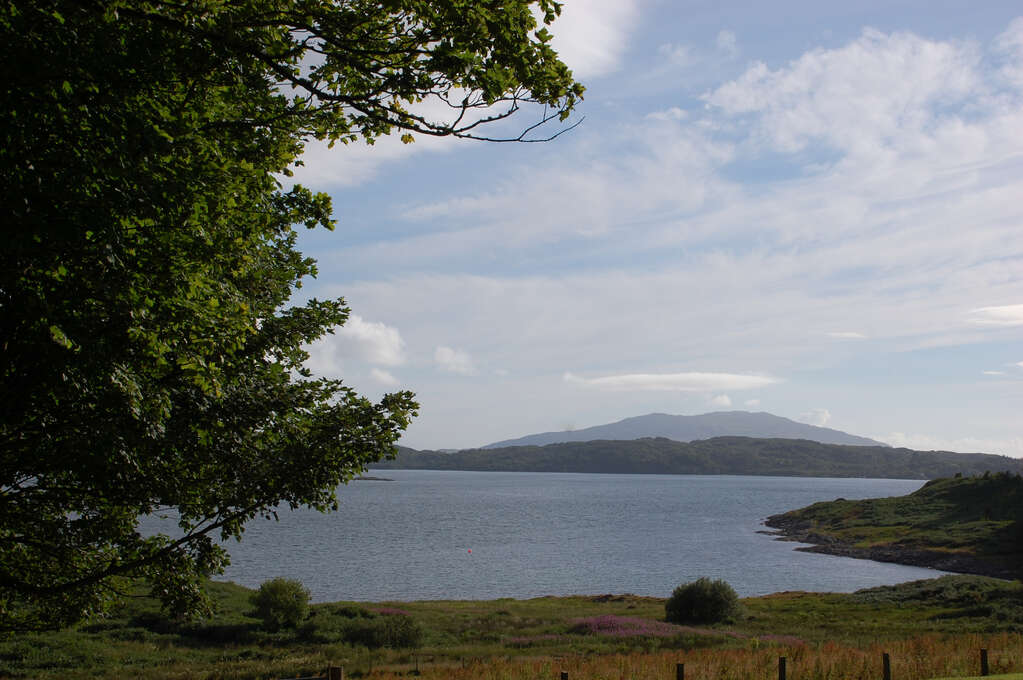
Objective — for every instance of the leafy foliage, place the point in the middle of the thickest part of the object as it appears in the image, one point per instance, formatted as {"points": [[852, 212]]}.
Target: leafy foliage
{"points": [[702, 601], [152, 361], [281, 603]]}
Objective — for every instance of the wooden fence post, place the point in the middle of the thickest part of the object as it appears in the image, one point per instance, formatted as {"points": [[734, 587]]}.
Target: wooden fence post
{"points": [[335, 673], [886, 662], [984, 669], [781, 668], [680, 671]]}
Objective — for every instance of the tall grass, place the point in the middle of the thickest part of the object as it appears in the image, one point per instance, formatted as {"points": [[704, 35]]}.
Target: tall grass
{"points": [[931, 629], [919, 658]]}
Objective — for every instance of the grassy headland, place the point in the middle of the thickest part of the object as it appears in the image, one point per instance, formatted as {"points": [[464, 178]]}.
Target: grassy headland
{"points": [[965, 524], [931, 628]]}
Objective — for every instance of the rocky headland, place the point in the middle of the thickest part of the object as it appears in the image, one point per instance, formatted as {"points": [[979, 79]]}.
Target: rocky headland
{"points": [[788, 528]]}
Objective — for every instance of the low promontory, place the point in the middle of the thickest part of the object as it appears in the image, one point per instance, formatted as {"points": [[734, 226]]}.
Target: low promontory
{"points": [[969, 525]]}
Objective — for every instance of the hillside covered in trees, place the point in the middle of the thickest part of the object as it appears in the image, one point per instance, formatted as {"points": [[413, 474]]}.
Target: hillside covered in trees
{"points": [[717, 456]]}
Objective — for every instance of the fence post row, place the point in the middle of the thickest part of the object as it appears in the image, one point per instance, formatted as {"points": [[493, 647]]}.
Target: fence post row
{"points": [[680, 668], [338, 672]]}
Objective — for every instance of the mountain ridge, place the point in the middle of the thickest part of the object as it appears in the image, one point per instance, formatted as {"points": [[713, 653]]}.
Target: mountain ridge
{"points": [[681, 428]]}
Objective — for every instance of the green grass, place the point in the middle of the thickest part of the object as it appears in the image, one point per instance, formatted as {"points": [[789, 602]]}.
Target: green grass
{"points": [[977, 516], [141, 642]]}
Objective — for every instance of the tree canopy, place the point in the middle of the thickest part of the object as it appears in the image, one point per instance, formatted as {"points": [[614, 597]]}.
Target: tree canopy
{"points": [[152, 361]]}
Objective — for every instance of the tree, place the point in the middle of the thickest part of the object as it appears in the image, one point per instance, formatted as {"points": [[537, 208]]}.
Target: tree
{"points": [[281, 603], [702, 601], [151, 360]]}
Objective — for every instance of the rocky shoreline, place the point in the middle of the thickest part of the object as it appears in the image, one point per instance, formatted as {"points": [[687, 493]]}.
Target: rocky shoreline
{"points": [[788, 528]]}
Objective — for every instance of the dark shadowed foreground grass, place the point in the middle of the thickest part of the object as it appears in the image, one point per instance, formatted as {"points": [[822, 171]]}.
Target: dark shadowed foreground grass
{"points": [[931, 629]]}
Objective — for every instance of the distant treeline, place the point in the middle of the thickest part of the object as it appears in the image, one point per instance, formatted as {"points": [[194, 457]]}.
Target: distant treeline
{"points": [[718, 456]]}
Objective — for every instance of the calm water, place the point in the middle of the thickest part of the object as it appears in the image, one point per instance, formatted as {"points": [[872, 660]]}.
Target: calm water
{"points": [[533, 534]]}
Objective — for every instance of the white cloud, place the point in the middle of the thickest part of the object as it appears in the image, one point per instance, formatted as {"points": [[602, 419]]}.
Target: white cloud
{"points": [[993, 372], [372, 341], [846, 335], [659, 165], [932, 161], [1020, 364], [1010, 46], [454, 360], [1005, 315], [360, 340], [591, 36], [383, 377], [677, 55], [348, 165], [818, 416], [674, 382], [855, 98], [722, 401], [752, 403], [1012, 446], [727, 44], [673, 113]]}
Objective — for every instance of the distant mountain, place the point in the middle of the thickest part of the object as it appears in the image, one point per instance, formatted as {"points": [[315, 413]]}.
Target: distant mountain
{"points": [[692, 428], [718, 456]]}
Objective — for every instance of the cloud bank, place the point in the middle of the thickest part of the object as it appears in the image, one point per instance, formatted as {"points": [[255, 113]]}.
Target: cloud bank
{"points": [[454, 360], [674, 382]]}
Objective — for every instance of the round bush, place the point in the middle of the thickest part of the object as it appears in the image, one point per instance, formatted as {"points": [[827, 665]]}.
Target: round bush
{"points": [[281, 603], [702, 601]]}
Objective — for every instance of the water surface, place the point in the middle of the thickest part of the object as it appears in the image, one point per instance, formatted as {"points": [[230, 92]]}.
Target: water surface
{"points": [[486, 535]]}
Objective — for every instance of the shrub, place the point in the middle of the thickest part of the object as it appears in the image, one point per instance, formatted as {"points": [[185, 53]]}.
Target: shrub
{"points": [[702, 601], [281, 603], [397, 631]]}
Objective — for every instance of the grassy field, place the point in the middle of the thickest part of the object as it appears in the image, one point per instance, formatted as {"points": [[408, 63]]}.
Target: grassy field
{"points": [[930, 628]]}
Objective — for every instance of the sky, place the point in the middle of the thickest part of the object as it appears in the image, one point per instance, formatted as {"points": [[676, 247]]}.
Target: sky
{"points": [[813, 209]]}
